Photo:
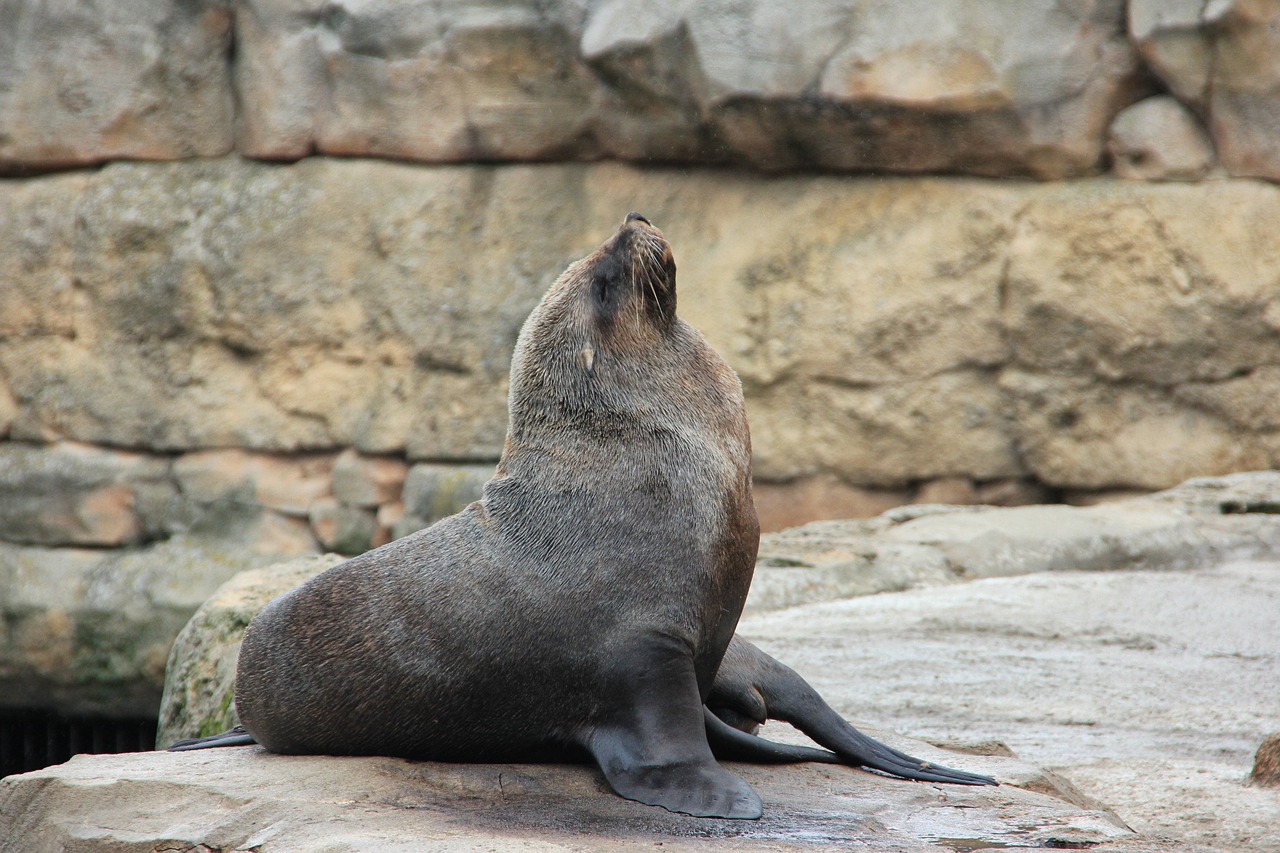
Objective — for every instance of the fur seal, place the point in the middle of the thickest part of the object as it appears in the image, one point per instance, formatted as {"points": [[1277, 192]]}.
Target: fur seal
{"points": [[587, 603]]}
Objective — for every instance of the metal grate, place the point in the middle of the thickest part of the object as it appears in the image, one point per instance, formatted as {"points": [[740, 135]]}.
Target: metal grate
{"points": [[32, 739]]}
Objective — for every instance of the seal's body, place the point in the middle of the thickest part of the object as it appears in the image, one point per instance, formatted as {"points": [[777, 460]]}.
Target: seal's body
{"points": [[586, 602]]}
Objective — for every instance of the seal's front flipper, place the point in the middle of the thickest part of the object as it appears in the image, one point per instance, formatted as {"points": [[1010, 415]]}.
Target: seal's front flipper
{"points": [[748, 679], [231, 737], [652, 746]]}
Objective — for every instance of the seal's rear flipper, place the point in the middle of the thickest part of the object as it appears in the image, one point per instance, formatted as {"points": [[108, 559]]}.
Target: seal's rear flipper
{"points": [[760, 687], [231, 737], [731, 744]]}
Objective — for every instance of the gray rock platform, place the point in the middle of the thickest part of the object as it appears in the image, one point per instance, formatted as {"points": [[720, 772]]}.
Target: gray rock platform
{"points": [[247, 799]]}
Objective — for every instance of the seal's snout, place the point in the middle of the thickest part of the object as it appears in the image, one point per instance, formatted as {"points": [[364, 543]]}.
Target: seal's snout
{"points": [[633, 216]]}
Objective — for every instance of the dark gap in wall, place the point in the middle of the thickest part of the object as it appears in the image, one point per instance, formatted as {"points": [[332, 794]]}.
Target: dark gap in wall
{"points": [[31, 738]]}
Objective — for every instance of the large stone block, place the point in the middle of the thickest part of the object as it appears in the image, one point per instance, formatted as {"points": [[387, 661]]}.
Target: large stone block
{"points": [[194, 329], [70, 494], [1223, 59], [83, 83], [996, 88], [1121, 281], [1082, 434], [875, 435], [444, 83]]}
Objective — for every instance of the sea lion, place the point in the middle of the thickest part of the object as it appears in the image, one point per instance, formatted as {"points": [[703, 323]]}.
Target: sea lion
{"points": [[585, 603]]}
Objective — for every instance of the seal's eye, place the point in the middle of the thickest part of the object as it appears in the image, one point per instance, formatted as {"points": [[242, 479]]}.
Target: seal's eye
{"points": [[607, 290]]}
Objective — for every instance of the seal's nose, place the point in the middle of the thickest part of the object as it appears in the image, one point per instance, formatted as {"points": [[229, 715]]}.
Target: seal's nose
{"points": [[633, 216]]}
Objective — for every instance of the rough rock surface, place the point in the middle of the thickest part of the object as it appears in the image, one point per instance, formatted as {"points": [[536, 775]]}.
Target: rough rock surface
{"points": [[1008, 87], [88, 631], [246, 799], [85, 83], [1223, 60], [1022, 88], [1015, 87], [1089, 336], [1149, 690], [1200, 523]]}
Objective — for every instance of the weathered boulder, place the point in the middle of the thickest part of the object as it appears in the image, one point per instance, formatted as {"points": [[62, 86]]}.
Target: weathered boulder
{"points": [[87, 83], [1159, 139], [202, 663], [1222, 59]]}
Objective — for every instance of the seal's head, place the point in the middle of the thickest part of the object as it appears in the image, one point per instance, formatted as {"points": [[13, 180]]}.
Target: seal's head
{"points": [[626, 287], [630, 280], [605, 338]]}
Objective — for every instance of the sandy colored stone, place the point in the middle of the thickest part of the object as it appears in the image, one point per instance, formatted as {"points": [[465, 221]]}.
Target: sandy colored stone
{"points": [[1105, 279], [36, 292], [73, 494], [783, 505], [83, 84], [1159, 139], [341, 527], [1102, 437], [872, 434], [880, 334], [367, 481], [288, 484], [947, 490], [8, 409]]}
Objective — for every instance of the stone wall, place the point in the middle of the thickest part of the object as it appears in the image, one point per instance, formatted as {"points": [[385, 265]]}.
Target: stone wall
{"points": [[285, 326], [999, 87]]}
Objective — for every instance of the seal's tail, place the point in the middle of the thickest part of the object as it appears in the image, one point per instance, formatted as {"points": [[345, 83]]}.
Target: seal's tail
{"points": [[231, 737]]}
